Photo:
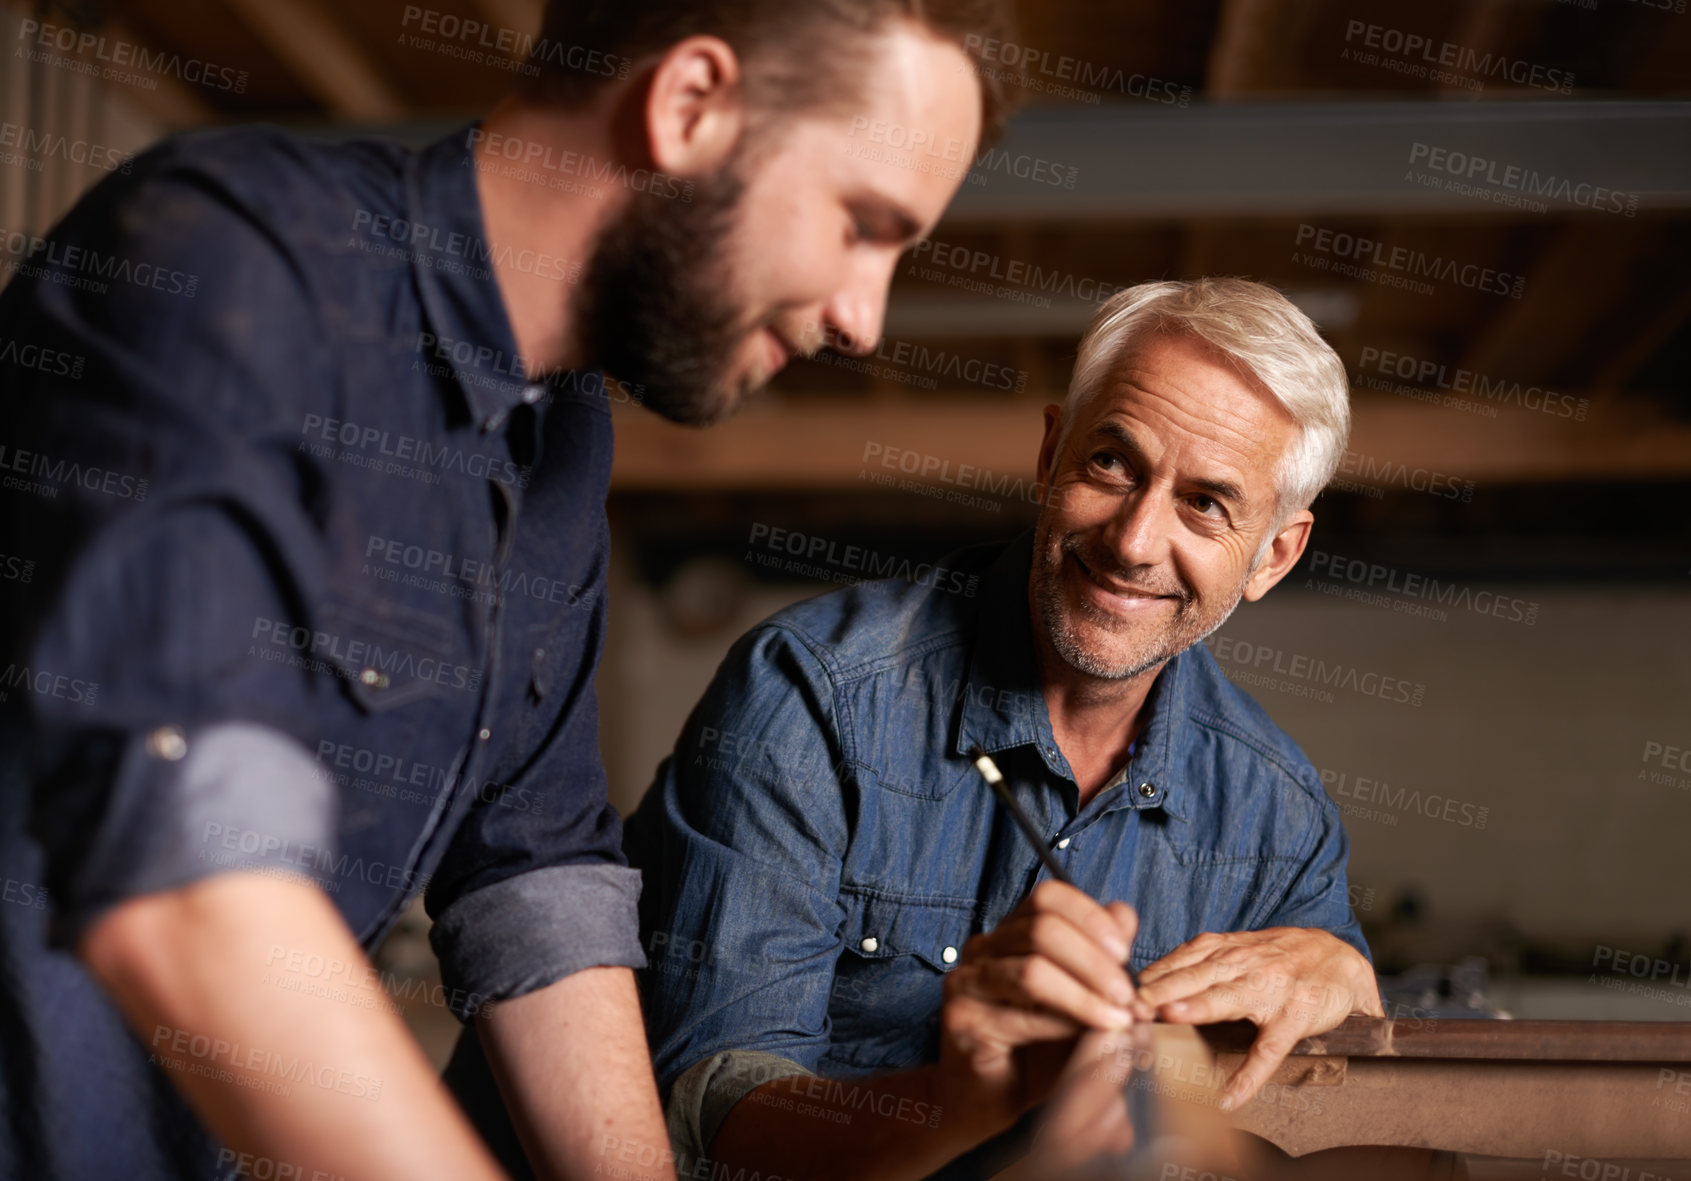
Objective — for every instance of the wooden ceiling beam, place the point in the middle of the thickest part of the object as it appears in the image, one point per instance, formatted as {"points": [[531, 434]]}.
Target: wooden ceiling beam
{"points": [[522, 17], [324, 57], [1244, 30], [168, 100], [1650, 332], [1538, 335], [173, 103], [968, 444]]}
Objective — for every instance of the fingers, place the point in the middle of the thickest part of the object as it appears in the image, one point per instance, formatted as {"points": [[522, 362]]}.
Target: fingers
{"points": [[1274, 1041], [1072, 949], [1039, 981], [1127, 922], [1193, 951], [1062, 928], [1181, 985], [1101, 925], [1227, 991], [1059, 953]]}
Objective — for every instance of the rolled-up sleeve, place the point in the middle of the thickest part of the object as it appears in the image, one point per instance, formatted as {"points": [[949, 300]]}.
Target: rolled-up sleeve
{"points": [[531, 930], [742, 838], [707, 1091], [168, 523], [534, 886], [185, 803]]}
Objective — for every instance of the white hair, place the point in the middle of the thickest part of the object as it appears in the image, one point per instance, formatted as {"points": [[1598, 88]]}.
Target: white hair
{"points": [[1260, 330]]}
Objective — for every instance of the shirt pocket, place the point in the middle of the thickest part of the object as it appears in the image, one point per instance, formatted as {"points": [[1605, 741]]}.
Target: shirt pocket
{"points": [[889, 981], [407, 696], [390, 656]]}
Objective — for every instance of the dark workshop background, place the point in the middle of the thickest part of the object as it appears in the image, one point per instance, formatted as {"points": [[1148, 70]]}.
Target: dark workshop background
{"points": [[1485, 206]]}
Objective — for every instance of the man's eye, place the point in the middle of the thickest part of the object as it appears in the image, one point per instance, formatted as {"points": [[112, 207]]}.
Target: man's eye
{"points": [[1106, 461]]}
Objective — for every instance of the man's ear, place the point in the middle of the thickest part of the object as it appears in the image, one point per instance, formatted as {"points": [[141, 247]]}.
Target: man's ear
{"points": [[1283, 553], [695, 109], [1048, 445]]}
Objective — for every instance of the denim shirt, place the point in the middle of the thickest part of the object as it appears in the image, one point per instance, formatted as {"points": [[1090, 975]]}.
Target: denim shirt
{"points": [[316, 588], [819, 847]]}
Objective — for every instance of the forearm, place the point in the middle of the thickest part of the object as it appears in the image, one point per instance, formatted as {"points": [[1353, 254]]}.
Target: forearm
{"points": [[336, 1085], [573, 1067], [882, 1128]]}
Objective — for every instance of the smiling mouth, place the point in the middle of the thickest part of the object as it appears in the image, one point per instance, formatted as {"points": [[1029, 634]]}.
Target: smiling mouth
{"points": [[1129, 598]]}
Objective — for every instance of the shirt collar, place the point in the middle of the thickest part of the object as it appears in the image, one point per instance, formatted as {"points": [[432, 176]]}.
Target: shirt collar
{"points": [[451, 261], [1004, 702]]}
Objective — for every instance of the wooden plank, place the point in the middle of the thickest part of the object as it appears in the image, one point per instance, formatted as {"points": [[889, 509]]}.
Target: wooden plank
{"points": [[1473, 1094], [1496, 1108], [1563, 1041]]}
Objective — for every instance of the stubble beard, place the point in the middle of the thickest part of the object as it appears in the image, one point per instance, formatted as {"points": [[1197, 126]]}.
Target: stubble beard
{"points": [[657, 313], [1083, 653]]}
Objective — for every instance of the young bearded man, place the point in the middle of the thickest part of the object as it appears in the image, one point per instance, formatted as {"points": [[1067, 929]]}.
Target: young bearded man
{"points": [[314, 506], [832, 891]]}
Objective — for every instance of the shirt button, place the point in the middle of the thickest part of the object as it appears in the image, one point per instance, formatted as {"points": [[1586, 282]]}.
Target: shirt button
{"points": [[374, 678], [870, 943], [484, 734], [533, 393], [539, 653], [1064, 843], [1147, 790], [949, 955], [167, 742]]}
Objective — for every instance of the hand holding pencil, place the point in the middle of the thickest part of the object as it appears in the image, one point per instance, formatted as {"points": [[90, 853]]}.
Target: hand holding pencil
{"points": [[995, 780], [1021, 995]]}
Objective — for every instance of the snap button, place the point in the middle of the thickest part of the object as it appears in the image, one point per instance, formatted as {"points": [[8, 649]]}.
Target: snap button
{"points": [[374, 678], [1064, 843], [533, 393], [1147, 790], [484, 734], [949, 955], [870, 943], [167, 742]]}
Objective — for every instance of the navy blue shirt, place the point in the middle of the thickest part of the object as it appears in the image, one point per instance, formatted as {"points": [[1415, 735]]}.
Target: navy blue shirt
{"points": [[300, 575], [819, 846]]}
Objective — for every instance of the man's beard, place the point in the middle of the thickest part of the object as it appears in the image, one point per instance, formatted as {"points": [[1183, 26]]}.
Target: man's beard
{"points": [[1149, 648], [657, 312]]}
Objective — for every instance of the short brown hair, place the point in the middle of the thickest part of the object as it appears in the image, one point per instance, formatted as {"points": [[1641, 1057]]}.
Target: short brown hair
{"points": [[798, 55]]}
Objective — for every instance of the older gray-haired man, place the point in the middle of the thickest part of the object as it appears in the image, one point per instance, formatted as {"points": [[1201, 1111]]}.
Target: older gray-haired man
{"points": [[869, 946]]}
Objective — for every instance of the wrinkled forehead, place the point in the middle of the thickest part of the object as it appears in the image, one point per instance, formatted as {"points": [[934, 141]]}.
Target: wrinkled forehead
{"points": [[1176, 393]]}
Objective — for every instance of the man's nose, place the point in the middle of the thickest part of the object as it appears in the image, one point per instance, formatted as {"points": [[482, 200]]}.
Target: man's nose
{"points": [[855, 315], [1141, 531]]}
